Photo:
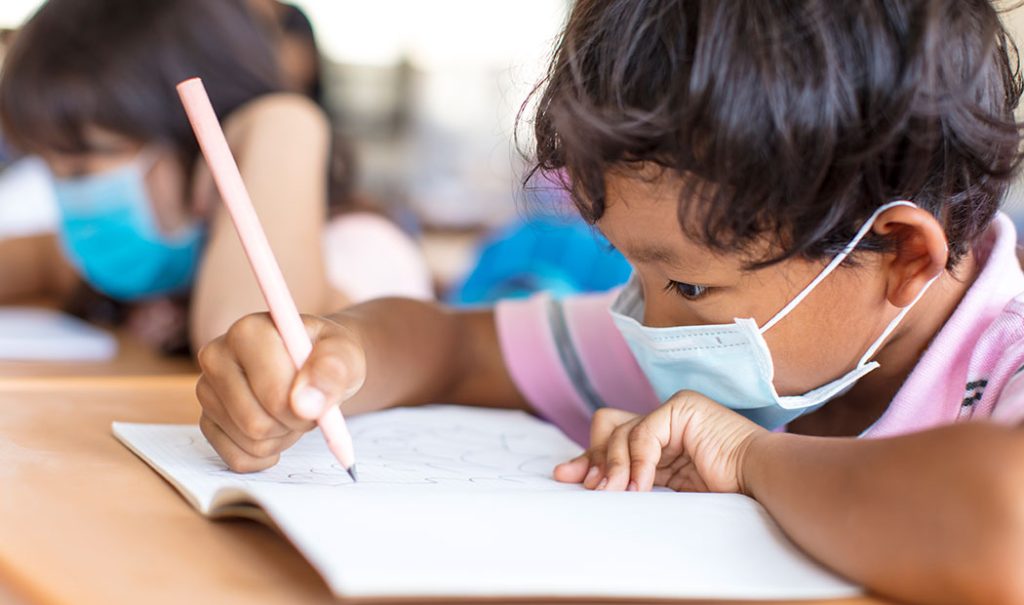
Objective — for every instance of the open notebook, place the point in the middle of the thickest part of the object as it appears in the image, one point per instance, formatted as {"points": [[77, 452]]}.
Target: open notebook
{"points": [[458, 502]]}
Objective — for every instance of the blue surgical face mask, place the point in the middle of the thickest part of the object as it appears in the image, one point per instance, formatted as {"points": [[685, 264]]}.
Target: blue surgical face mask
{"points": [[731, 363], [110, 234]]}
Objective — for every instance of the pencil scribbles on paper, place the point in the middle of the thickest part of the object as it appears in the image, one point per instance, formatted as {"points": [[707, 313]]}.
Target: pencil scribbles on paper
{"points": [[405, 448]]}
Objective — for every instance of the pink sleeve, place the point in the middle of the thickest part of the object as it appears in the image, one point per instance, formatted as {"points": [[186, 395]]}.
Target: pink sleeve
{"points": [[567, 358], [366, 256]]}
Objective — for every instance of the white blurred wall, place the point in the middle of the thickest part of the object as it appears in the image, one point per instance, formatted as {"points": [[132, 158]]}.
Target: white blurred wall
{"points": [[14, 12]]}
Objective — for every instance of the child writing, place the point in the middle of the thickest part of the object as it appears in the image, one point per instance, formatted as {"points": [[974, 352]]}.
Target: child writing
{"points": [[824, 292], [89, 87]]}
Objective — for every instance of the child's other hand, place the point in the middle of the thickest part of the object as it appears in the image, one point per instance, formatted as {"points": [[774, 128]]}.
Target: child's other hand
{"points": [[690, 443], [255, 405]]}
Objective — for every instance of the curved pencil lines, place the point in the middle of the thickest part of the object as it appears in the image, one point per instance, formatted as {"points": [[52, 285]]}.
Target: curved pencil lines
{"points": [[401, 452]]}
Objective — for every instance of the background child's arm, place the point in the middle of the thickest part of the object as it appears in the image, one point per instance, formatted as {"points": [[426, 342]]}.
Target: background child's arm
{"points": [[32, 267], [282, 144], [380, 354]]}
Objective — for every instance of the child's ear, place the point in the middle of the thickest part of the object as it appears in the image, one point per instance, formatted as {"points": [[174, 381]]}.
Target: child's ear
{"points": [[920, 251]]}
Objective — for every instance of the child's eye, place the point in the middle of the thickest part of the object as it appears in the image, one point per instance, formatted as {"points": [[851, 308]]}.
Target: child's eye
{"points": [[687, 291]]}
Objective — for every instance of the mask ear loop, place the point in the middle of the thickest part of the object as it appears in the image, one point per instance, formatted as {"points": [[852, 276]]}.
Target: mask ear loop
{"points": [[895, 322], [838, 260]]}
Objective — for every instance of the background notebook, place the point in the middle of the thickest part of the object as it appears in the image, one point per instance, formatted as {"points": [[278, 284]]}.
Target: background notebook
{"points": [[29, 334], [457, 502]]}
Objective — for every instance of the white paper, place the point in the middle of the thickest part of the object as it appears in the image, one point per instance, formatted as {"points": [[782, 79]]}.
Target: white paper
{"points": [[459, 502], [28, 334]]}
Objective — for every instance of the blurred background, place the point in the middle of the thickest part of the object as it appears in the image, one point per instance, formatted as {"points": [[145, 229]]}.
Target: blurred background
{"points": [[428, 102]]}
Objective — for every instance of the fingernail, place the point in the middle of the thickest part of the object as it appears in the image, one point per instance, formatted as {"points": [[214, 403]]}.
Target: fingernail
{"points": [[309, 402], [591, 474], [632, 487], [602, 484]]}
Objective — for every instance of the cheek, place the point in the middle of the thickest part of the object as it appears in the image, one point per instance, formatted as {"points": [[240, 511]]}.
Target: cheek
{"points": [[825, 336], [665, 309], [756, 298], [165, 184]]}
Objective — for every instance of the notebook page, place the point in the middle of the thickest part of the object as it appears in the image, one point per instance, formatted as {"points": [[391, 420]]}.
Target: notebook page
{"points": [[547, 544], [432, 447], [459, 501]]}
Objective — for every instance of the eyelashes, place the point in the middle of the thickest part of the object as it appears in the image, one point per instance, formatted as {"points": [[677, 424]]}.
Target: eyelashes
{"points": [[687, 291]]}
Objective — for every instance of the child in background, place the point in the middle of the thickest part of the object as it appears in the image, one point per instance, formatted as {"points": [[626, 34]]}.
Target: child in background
{"points": [[89, 87], [297, 50], [826, 311]]}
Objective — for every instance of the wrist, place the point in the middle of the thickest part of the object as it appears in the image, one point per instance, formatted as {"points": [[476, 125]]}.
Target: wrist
{"points": [[758, 451]]}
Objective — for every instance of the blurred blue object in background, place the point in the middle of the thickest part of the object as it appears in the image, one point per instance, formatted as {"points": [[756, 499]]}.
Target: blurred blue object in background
{"points": [[559, 255]]}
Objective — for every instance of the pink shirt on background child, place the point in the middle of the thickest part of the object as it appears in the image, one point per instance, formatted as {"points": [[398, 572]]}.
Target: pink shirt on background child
{"points": [[568, 358]]}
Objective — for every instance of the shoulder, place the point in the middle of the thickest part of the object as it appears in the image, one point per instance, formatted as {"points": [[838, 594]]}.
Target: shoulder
{"points": [[275, 138], [282, 116]]}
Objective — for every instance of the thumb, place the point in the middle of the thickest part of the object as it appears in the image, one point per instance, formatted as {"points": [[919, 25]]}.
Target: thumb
{"points": [[334, 371]]}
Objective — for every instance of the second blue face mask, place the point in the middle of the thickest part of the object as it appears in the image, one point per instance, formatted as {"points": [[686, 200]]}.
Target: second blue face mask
{"points": [[109, 233]]}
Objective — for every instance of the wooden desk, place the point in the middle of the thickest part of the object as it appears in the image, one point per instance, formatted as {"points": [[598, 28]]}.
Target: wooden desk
{"points": [[83, 521]]}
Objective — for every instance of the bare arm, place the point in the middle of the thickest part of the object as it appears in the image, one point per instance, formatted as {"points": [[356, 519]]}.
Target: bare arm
{"points": [[419, 352], [282, 145], [376, 355], [32, 267], [936, 517]]}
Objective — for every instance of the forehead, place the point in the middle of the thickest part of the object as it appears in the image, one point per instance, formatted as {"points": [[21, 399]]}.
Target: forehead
{"points": [[641, 218], [99, 142], [105, 149]]}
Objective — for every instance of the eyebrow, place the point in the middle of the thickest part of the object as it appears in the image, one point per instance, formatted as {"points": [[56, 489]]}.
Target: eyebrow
{"points": [[648, 253]]}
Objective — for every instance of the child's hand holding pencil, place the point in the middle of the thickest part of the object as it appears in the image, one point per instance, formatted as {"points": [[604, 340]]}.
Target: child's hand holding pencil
{"points": [[255, 403]]}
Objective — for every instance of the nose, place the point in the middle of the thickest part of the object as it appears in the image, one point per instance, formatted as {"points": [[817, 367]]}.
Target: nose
{"points": [[657, 311]]}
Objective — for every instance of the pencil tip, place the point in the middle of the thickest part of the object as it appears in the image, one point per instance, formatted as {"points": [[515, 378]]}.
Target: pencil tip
{"points": [[352, 473]]}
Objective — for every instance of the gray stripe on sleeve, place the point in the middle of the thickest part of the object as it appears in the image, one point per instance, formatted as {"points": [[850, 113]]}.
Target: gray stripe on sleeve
{"points": [[569, 356]]}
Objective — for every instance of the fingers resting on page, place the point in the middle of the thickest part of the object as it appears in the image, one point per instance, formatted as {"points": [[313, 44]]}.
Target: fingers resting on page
{"points": [[690, 443]]}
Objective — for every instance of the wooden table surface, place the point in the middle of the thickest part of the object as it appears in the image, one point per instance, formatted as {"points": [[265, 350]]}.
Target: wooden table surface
{"points": [[83, 521]]}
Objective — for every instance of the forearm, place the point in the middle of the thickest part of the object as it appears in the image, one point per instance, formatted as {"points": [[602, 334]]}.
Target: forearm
{"points": [[281, 142], [31, 267], [217, 303], [226, 288], [419, 352], [936, 517]]}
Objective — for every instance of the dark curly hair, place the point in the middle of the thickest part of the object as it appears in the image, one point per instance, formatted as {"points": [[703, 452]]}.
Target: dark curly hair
{"points": [[791, 120], [114, 64]]}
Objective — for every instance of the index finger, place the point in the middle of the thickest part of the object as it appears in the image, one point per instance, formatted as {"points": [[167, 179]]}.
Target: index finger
{"points": [[646, 448], [604, 423], [267, 366]]}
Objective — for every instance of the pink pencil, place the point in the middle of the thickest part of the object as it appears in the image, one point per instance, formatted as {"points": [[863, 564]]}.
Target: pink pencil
{"points": [[282, 308]]}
